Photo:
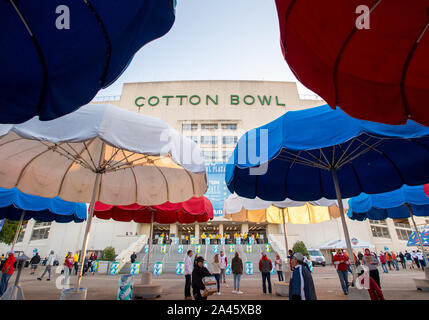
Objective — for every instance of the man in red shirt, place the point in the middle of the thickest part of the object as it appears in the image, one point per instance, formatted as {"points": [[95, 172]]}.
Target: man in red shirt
{"points": [[341, 263], [7, 272]]}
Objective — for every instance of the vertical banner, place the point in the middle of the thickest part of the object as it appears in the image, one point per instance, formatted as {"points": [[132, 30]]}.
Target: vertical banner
{"points": [[222, 241], [251, 240], [157, 269], [231, 248], [197, 248], [237, 240], [180, 249], [249, 268], [146, 248], [176, 241], [217, 191], [193, 241], [163, 248], [135, 269], [267, 248], [180, 268], [228, 269], [207, 240], [160, 240], [114, 268], [215, 248], [249, 249], [125, 288]]}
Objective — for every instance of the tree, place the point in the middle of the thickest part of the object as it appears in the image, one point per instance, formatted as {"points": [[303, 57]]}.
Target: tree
{"points": [[8, 231], [108, 254], [299, 246]]}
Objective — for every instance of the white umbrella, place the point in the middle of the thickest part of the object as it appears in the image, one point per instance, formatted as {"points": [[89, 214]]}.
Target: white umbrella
{"points": [[101, 153], [235, 208]]}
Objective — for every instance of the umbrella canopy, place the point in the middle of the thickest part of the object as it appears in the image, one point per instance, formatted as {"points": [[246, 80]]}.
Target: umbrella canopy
{"points": [[13, 203], [390, 204], [101, 153], [56, 55], [379, 73], [341, 244], [143, 159], [323, 153], [303, 149], [191, 211], [257, 210]]}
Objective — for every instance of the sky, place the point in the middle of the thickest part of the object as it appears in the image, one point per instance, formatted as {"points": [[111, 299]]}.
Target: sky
{"points": [[214, 40]]}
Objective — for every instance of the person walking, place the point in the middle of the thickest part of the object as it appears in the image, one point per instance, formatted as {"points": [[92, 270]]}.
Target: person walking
{"points": [[216, 271], [265, 267], [278, 264], [289, 256], [49, 264], [7, 272], [68, 267], [409, 259], [189, 267], [421, 259], [198, 274], [415, 259], [133, 257], [402, 259], [383, 262], [360, 256], [341, 263], [388, 257], [301, 286], [223, 264], [34, 262], [395, 261], [76, 262], [237, 271], [371, 261]]}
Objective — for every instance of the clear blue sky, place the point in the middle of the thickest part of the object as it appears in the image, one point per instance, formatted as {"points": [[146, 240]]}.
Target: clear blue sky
{"points": [[214, 40]]}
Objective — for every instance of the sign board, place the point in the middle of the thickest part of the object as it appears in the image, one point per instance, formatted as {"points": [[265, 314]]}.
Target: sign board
{"points": [[217, 191]]}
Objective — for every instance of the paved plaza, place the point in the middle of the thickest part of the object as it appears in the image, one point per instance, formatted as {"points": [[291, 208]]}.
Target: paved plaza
{"points": [[396, 285]]}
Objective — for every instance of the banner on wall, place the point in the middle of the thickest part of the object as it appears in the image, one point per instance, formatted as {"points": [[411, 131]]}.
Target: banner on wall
{"points": [[217, 191]]}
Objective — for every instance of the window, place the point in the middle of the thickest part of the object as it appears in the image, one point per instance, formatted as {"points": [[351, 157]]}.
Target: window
{"points": [[39, 234], [403, 234], [210, 155], [380, 232], [229, 139], [209, 126], [40, 230], [209, 140], [193, 138], [403, 224], [382, 222], [229, 126], [189, 126], [226, 155]]}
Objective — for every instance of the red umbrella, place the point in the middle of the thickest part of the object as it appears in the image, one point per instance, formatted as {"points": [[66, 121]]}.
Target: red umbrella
{"points": [[427, 189], [378, 74], [191, 211]]}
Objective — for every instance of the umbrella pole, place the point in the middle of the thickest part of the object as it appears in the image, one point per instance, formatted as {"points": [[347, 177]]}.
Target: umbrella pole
{"points": [[417, 231], [284, 233], [18, 230], [343, 221], [150, 241], [89, 220]]}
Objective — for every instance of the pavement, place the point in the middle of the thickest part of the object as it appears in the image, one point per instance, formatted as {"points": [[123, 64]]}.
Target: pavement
{"points": [[396, 285]]}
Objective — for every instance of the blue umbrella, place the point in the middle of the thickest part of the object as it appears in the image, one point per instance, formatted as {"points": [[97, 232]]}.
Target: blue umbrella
{"points": [[403, 203], [56, 55], [15, 205], [323, 153]]}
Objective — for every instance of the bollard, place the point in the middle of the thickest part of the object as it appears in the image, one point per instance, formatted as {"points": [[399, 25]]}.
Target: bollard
{"points": [[125, 288]]}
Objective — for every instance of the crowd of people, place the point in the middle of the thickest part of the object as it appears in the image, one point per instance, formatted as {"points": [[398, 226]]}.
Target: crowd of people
{"points": [[301, 285]]}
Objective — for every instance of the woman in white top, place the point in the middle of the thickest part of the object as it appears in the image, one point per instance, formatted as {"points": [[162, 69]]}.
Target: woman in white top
{"points": [[279, 267], [216, 271]]}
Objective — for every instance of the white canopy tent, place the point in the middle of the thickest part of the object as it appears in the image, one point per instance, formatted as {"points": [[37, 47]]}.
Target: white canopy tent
{"points": [[341, 244]]}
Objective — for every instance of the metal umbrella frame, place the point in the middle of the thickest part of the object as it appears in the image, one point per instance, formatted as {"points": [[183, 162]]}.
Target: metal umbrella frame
{"points": [[101, 153]]}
